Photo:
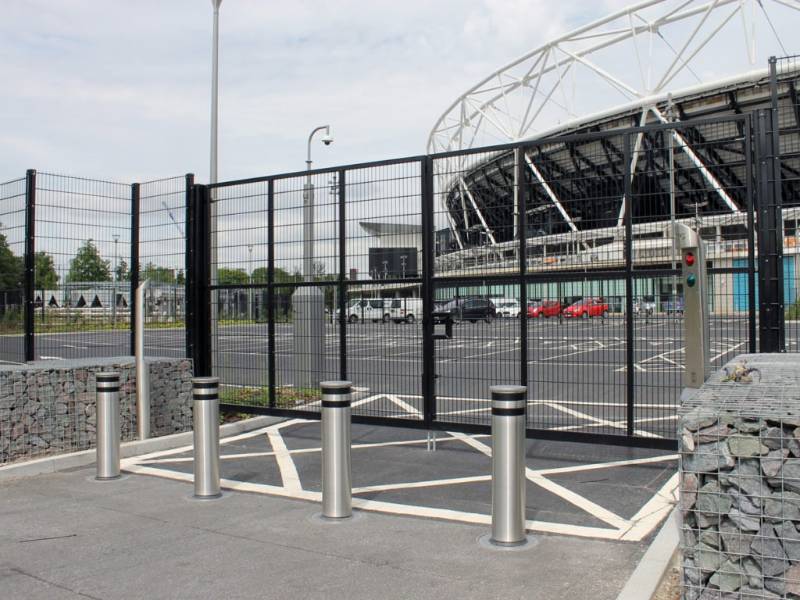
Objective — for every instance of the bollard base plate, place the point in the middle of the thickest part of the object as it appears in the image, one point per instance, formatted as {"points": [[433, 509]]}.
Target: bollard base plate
{"points": [[320, 518], [201, 499], [485, 541], [96, 479]]}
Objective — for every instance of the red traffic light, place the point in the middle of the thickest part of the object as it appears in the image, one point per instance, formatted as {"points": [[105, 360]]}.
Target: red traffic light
{"points": [[689, 259]]}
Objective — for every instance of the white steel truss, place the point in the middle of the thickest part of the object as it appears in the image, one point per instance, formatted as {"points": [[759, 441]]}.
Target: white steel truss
{"points": [[629, 57]]}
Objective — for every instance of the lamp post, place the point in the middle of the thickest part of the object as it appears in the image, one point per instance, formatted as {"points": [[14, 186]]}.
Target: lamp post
{"points": [[114, 290], [212, 177], [308, 302]]}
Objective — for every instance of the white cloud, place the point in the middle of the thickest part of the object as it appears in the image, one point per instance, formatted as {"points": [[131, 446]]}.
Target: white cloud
{"points": [[120, 89]]}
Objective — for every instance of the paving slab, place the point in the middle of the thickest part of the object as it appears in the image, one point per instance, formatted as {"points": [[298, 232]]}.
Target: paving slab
{"points": [[65, 536]]}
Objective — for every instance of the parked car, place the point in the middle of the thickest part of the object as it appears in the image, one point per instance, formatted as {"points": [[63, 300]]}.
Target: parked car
{"points": [[586, 308], [368, 309], [645, 305], [471, 309], [407, 310], [674, 306], [544, 308], [507, 308]]}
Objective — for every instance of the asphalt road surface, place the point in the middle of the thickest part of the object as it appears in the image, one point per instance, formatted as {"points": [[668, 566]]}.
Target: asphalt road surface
{"points": [[576, 369]]}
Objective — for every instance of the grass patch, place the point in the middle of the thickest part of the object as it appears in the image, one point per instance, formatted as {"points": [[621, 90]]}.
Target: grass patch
{"points": [[793, 312], [285, 397]]}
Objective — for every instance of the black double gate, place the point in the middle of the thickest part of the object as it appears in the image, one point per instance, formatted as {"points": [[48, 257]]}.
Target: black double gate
{"points": [[394, 241]]}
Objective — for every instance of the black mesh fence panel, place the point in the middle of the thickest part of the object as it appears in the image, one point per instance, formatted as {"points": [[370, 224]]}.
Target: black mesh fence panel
{"points": [[12, 252], [83, 240]]}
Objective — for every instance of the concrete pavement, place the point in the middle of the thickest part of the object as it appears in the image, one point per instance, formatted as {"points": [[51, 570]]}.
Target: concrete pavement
{"points": [[63, 535]]}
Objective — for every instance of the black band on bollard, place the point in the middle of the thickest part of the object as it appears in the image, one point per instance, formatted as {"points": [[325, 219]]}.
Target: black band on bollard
{"points": [[202, 397], [336, 391], [107, 376], [336, 404], [508, 412], [101, 388]]}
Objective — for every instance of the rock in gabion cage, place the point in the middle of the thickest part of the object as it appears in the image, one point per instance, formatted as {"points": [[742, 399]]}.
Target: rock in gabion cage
{"points": [[740, 482]]}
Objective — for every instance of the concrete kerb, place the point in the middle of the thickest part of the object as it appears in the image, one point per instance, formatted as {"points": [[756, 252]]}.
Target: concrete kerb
{"points": [[62, 462], [653, 566]]}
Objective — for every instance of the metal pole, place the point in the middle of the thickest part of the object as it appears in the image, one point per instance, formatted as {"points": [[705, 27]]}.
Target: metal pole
{"points": [[108, 426], [142, 374], [508, 465], [213, 179], [250, 291], [206, 437], [114, 291], [336, 469]]}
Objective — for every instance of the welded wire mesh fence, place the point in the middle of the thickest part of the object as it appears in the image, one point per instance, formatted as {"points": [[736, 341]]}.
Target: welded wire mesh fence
{"points": [[12, 266], [425, 280]]}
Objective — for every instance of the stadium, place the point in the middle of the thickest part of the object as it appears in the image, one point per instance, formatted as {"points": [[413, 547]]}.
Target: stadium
{"points": [[645, 69]]}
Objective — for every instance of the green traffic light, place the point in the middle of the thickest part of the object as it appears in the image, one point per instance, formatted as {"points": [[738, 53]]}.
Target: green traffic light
{"points": [[691, 280]]}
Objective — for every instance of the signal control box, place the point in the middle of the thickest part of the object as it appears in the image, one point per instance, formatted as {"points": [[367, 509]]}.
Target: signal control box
{"points": [[695, 320]]}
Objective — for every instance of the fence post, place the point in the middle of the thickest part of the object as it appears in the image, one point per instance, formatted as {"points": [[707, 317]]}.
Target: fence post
{"points": [[521, 189], [30, 264], [142, 374], [508, 464], [206, 437], [428, 345], [770, 242], [187, 266], [108, 433], [271, 294], [199, 274], [342, 274], [135, 204], [629, 338], [336, 466]]}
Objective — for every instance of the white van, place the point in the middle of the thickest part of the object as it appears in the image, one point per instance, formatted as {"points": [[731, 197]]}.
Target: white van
{"points": [[406, 310], [368, 309]]}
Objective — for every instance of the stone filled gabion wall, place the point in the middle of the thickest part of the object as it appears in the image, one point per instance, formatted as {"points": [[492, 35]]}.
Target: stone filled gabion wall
{"points": [[740, 483], [49, 407]]}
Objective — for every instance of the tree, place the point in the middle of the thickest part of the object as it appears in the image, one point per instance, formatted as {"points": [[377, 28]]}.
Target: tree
{"points": [[226, 276], [46, 277], [88, 265], [157, 274], [180, 279], [11, 267], [123, 271]]}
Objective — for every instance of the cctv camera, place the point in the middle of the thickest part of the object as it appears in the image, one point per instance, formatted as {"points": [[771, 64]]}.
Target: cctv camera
{"points": [[327, 140]]}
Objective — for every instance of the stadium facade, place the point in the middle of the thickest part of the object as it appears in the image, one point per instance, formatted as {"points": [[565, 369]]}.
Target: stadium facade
{"points": [[690, 160]]}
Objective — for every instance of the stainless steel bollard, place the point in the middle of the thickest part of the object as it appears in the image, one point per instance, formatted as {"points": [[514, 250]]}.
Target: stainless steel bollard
{"points": [[336, 469], [108, 425], [206, 437], [508, 465]]}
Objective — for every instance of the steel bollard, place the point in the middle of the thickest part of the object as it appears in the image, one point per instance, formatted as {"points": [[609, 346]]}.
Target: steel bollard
{"points": [[205, 391], [508, 465], [336, 469], [108, 426]]}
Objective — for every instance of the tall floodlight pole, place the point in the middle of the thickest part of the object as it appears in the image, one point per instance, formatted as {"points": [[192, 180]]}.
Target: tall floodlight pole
{"points": [[308, 302], [212, 177]]}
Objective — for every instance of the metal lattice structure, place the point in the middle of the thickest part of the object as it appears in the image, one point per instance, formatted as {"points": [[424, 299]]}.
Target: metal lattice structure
{"points": [[648, 63]]}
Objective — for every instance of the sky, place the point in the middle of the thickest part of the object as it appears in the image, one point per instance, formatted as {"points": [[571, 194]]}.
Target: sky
{"points": [[120, 89]]}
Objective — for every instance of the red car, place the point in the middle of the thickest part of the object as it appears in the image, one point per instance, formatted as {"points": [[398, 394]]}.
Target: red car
{"points": [[544, 308], [588, 307]]}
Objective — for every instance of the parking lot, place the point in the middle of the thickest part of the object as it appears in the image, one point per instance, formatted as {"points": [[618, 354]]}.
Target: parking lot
{"points": [[576, 368]]}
